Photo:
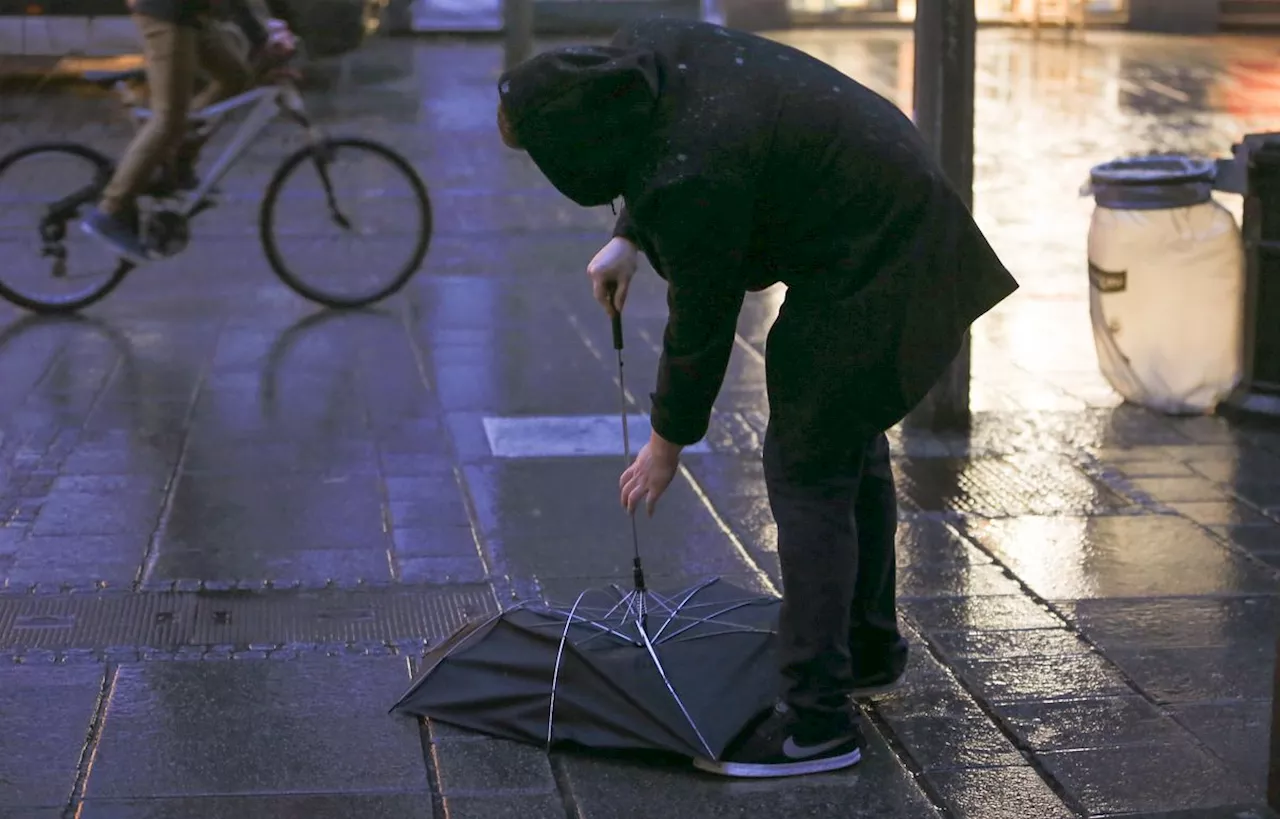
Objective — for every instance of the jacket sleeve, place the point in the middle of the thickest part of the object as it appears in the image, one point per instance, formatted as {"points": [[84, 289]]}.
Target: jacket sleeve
{"points": [[624, 228], [699, 231]]}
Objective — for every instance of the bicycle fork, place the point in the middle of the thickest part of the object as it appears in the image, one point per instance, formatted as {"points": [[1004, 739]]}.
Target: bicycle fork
{"points": [[291, 103]]}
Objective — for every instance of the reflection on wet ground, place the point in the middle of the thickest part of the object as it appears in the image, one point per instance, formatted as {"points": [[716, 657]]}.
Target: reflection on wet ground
{"points": [[1090, 588]]}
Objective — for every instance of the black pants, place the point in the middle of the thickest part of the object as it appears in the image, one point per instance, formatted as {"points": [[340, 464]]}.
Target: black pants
{"points": [[836, 541], [826, 467]]}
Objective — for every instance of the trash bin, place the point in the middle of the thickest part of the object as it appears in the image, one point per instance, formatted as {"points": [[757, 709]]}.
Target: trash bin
{"points": [[1166, 283]]}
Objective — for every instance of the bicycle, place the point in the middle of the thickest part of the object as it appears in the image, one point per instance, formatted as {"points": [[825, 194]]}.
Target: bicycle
{"points": [[165, 224]]}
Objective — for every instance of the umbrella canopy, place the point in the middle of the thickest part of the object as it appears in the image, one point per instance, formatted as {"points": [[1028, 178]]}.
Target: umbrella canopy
{"points": [[635, 671]]}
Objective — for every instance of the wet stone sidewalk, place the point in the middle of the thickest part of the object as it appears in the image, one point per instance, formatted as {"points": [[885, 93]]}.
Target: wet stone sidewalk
{"points": [[231, 523]]}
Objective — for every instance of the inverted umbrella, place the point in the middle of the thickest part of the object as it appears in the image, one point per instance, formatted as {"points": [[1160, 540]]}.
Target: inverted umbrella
{"points": [[616, 669]]}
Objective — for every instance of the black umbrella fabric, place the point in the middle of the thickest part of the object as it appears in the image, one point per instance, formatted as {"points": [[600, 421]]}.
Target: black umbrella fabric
{"points": [[634, 671]]}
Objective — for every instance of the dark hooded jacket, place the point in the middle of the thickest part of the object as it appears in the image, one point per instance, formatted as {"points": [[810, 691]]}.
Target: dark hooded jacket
{"points": [[743, 163]]}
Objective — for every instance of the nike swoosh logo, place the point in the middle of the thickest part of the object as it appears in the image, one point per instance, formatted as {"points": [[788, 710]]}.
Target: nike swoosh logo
{"points": [[792, 750]]}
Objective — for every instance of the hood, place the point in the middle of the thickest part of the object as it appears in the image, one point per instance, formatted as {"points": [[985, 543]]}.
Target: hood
{"points": [[582, 113]]}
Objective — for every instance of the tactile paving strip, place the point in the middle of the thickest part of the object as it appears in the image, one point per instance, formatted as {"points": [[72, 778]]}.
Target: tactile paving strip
{"points": [[174, 620], [1005, 487]]}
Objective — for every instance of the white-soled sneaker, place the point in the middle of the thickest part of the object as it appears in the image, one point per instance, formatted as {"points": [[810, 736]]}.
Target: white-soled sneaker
{"points": [[776, 743]]}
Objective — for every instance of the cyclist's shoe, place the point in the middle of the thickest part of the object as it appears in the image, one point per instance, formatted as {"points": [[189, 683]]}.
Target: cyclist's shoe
{"points": [[117, 233]]}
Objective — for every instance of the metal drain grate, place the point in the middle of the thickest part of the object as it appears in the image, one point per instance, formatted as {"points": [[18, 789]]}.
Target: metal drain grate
{"points": [[170, 621]]}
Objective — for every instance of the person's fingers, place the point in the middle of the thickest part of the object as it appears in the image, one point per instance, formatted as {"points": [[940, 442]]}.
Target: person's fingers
{"points": [[620, 293], [601, 294], [630, 471], [637, 493], [629, 488]]}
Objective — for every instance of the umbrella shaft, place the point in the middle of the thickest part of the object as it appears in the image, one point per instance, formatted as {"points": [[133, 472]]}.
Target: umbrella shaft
{"points": [[626, 433], [638, 572]]}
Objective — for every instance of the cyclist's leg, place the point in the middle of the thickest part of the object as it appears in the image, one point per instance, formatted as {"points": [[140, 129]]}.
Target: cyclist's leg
{"points": [[229, 73], [223, 60], [169, 50]]}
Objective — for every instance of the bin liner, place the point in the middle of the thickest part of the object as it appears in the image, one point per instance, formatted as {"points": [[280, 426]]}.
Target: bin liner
{"points": [[1166, 284]]}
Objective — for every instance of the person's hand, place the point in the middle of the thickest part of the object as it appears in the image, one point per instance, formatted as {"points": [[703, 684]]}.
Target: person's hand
{"points": [[650, 474], [281, 42], [611, 271]]}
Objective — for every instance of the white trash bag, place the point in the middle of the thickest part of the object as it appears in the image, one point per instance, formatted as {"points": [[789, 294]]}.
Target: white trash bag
{"points": [[1166, 284]]}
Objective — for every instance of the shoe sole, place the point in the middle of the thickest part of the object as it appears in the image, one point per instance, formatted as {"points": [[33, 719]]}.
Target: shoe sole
{"points": [[88, 230], [742, 770]]}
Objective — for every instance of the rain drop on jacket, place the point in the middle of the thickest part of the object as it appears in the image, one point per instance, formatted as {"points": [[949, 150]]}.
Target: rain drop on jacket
{"points": [[743, 163]]}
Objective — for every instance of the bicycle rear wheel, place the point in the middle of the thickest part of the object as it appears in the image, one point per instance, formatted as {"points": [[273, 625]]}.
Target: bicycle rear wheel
{"points": [[311, 183], [46, 264]]}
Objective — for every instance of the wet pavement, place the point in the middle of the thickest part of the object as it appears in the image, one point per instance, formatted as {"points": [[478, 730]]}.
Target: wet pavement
{"points": [[232, 522]]}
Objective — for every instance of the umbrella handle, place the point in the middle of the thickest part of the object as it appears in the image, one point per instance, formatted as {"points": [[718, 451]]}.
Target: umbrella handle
{"points": [[615, 319]]}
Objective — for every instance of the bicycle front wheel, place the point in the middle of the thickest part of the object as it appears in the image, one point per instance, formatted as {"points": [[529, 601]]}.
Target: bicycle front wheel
{"points": [[346, 222], [47, 264]]}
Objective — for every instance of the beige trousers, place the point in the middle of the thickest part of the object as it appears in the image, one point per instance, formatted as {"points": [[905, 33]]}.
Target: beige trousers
{"points": [[174, 54]]}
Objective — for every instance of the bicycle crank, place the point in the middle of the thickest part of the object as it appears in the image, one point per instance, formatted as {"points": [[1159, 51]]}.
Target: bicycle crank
{"points": [[167, 232]]}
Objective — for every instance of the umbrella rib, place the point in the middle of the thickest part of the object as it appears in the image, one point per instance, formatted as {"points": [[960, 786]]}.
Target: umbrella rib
{"points": [[663, 603], [631, 599], [623, 597], [676, 611], [702, 620], [555, 676], [662, 672], [742, 630], [572, 617]]}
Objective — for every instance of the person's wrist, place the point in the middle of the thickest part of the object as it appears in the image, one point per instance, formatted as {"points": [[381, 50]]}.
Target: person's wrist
{"points": [[662, 449]]}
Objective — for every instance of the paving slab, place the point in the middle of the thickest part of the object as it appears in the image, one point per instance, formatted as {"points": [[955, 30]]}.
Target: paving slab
{"points": [[1064, 557], [1184, 622], [613, 789], [113, 561], [1235, 732], [1091, 723], [1168, 776], [1038, 678], [1012, 792], [166, 732], [323, 806], [505, 807], [47, 713]]}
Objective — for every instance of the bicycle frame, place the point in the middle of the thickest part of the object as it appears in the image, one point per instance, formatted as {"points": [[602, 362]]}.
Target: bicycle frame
{"points": [[268, 102]]}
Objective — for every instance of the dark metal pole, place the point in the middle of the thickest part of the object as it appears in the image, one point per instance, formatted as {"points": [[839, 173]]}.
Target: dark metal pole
{"points": [[945, 46], [517, 29]]}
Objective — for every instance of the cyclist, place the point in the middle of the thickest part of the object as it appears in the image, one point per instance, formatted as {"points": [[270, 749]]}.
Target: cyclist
{"points": [[179, 37]]}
